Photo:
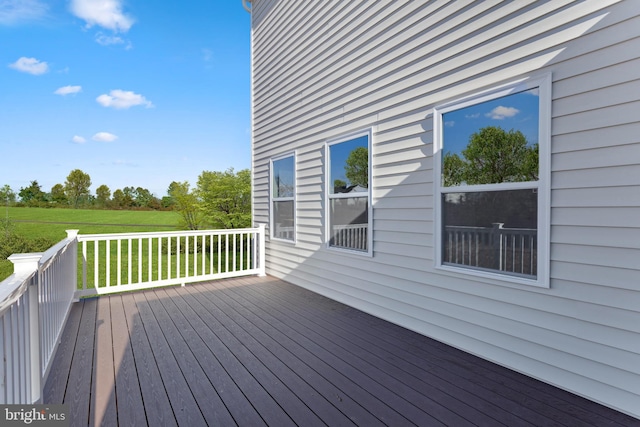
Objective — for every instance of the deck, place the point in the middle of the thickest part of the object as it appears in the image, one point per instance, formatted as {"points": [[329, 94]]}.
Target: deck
{"points": [[259, 351]]}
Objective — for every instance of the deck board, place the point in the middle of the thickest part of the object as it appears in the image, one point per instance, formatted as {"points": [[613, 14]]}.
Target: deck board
{"points": [[154, 395], [257, 398], [78, 390], [454, 392], [103, 408], [185, 407], [259, 351], [56, 385], [128, 396], [205, 394], [413, 385]]}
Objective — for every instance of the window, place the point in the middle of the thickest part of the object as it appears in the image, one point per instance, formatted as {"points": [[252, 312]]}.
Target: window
{"points": [[348, 193], [492, 165], [283, 198]]}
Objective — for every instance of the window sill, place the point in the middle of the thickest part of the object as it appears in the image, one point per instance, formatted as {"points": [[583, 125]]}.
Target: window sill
{"points": [[495, 278]]}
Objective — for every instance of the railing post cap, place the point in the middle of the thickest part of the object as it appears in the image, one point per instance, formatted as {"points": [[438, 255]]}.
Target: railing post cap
{"points": [[25, 263], [72, 234]]}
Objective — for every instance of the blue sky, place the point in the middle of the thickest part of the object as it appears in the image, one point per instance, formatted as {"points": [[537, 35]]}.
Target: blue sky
{"points": [[518, 111], [133, 92], [339, 154]]}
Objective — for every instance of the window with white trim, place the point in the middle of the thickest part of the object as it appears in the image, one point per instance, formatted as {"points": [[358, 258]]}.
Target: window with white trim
{"points": [[283, 210], [492, 163], [348, 193]]}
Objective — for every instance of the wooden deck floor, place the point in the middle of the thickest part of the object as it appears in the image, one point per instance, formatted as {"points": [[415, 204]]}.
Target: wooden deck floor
{"points": [[259, 351]]}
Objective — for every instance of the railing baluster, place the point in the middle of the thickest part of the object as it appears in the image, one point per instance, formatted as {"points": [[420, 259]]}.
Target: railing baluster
{"points": [[169, 258], [211, 254], [84, 265], [159, 259], [226, 252], [129, 249], [150, 259], [202, 264], [178, 269], [119, 262], [235, 238], [139, 260], [186, 251], [219, 253]]}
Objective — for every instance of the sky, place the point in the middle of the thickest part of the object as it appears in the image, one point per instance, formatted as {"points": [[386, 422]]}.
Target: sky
{"points": [[339, 153], [518, 111], [133, 92]]}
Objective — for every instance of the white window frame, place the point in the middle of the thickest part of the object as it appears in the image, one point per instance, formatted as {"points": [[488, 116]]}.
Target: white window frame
{"points": [[329, 196], [543, 83], [273, 200]]}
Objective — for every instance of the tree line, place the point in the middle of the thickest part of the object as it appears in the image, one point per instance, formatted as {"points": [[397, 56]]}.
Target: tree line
{"points": [[219, 199]]}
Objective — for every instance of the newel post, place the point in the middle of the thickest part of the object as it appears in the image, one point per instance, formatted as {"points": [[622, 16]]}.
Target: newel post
{"points": [[261, 250], [24, 265]]}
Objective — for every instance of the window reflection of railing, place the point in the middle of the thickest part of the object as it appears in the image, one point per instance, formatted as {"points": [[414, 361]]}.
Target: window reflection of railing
{"points": [[351, 236], [285, 233], [510, 250]]}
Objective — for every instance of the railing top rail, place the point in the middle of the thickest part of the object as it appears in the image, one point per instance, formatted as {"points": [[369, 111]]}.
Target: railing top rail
{"points": [[12, 288], [490, 229], [519, 230], [133, 235], [50, 254]]}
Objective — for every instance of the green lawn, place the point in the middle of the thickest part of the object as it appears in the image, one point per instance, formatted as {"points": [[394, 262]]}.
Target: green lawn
{"points": [[52, 223]]}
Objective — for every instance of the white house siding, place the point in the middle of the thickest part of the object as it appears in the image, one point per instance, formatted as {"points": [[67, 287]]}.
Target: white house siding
{"points": [[323, 69]]}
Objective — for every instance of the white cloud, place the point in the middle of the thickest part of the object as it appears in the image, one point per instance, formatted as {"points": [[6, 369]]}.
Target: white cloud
{"points": [[104, 13], [472, 116], [501, 113], [78, 139], [30, 65], [66, 90], [106, 40], [121, 99], [17, 11], [450, 123], [104, 137]]}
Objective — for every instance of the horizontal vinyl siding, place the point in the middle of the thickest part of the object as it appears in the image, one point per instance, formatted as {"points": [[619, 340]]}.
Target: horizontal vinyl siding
{"points": [[326, 69]]}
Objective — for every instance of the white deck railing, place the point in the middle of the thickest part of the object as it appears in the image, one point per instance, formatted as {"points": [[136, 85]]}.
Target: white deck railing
{"points": [[510, 250], [131, 261], [350, 236], [34, 304], [35, 300]]}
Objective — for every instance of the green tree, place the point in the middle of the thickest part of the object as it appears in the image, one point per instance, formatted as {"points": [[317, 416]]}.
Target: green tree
{"points": [[144, 198], [58, 195], [225, 198], [493, 155], [187, 204], [77, 186], [118, 199], [356, 167], [452, 170], [103, 195], [32, 195], [7, 196], [129, 197], [339, 185]]}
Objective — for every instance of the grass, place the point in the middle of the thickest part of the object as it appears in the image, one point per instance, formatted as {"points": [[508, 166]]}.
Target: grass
{"points": [[52, 223]]}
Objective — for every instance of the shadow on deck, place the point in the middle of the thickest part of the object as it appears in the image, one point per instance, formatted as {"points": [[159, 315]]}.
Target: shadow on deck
{"points": [[259, 351]]}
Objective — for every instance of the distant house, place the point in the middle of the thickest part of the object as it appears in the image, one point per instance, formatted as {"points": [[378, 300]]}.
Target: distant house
{"points": [[499, 206]]}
